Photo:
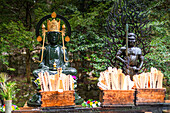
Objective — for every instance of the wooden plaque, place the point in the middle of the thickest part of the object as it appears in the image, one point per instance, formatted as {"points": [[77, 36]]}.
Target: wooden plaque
{"points": [[150, 96], [55, 98], [117, 97]]}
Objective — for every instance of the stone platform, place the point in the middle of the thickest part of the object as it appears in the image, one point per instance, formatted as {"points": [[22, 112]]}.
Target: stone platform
{"points": [[153, 108]]}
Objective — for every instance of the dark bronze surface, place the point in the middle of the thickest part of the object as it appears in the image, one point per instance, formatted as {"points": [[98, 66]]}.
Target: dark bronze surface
{"points": [[134, 61], [135, 15], [54, 53]]}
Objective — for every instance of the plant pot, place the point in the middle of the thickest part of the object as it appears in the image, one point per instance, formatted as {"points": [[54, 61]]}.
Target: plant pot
{"points": [[8, 106]]}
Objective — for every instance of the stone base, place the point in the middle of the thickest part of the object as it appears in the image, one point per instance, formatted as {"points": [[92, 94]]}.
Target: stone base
{"points": [[164, 108]]}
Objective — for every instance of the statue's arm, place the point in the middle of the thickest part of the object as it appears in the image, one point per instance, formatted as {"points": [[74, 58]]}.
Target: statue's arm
{"points": [[119, 53], [141, 60]]}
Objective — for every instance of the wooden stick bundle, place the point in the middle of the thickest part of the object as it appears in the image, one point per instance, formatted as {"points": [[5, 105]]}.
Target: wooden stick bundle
{"points": [[113, 79], [151, 79], [58, 82]]}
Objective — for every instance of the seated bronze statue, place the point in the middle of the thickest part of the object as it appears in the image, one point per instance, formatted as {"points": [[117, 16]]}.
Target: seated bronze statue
{"points": [[53, 55], [133, 60]]}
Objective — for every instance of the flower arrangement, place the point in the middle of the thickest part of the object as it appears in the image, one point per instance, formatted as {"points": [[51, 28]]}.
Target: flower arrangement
{"points": [[91, 103], [14, 107], [8, 88], [37, 83], [75, 81], [74, 77]]}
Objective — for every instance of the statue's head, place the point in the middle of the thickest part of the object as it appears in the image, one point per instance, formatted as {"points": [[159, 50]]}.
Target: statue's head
{"points": [[131, 39], [53, 37]]}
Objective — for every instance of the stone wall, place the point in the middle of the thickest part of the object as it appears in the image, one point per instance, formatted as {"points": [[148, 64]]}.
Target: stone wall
{"points": [[19, 63]]}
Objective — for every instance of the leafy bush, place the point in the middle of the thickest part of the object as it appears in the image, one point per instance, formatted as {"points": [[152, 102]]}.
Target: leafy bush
{"points": [[8, 88]]}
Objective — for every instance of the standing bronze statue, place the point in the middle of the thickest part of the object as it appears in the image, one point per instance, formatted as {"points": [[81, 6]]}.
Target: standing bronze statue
{"points": [[133, 59], [123, 12], [53, 55]]}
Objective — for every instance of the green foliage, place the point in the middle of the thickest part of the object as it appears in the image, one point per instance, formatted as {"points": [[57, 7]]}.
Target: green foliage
{"points": [[88, 36], [4, 77], [16, 37], [28, 90], [13, 39], [8, 88], [18, 19], [87, 19], [159, 55]]}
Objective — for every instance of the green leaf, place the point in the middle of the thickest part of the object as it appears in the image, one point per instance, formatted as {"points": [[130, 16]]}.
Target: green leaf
{"points": [[11, 69]]}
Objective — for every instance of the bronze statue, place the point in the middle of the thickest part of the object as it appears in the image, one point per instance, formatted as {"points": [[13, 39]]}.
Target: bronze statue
{"points": [[53, 55], [131, 57]]}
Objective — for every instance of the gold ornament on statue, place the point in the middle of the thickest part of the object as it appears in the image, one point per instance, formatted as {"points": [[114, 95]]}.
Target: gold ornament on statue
{"points": [[53, 25], [53, 15], [39, 39], [63, 26], [67, 39]]}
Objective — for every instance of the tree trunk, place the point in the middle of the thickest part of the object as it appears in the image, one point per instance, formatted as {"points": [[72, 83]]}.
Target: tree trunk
{"points": [[28, 65]]}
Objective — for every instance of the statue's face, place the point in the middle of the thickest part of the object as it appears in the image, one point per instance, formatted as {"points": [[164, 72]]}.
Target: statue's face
{"points": [[53, 37], [131, 39]]}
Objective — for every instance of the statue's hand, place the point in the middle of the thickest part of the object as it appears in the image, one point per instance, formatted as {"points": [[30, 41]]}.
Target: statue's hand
{"points": [[64, 66], [125, 62], [135, 68], [43, 66]]}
